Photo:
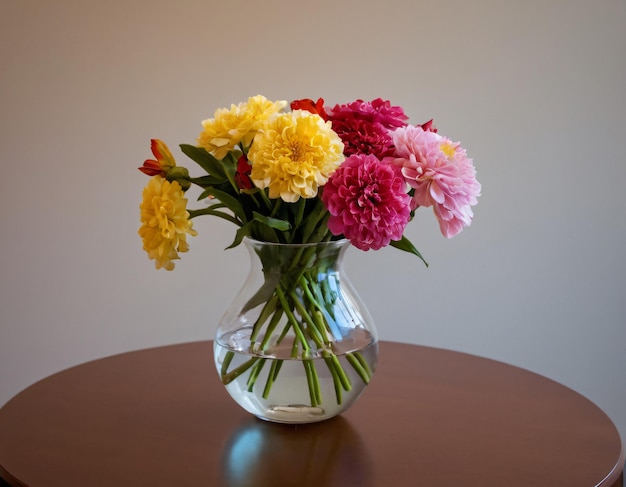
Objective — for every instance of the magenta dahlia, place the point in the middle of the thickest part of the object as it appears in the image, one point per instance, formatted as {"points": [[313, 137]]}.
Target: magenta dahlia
{"points": [[376, 111], [367, 201], [365, 127], [363, 137]]}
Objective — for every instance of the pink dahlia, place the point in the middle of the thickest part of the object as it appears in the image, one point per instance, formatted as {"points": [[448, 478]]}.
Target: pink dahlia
{"points": [[367, 202], [441, 174]]}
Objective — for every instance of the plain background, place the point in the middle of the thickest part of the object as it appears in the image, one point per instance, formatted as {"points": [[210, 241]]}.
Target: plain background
{"points": [[534, 90]]}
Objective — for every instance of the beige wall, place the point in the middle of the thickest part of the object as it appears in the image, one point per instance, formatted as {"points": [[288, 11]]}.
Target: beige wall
{"points": [[534, 90]]}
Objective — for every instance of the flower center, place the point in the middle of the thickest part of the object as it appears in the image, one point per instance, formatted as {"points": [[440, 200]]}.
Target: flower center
{"points": [[369, 196], [296, 152], [447, 148]]}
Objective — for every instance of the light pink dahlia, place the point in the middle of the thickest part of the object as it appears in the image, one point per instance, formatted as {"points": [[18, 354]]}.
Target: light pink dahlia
{"points": [[367, 202], [442, 175]]}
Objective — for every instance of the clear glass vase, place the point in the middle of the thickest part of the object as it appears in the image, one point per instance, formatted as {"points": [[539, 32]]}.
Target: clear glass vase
{"points": [[297, 344]]}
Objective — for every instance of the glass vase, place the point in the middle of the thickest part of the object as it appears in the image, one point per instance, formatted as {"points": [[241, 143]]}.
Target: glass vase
{"points": [[297, 344]]}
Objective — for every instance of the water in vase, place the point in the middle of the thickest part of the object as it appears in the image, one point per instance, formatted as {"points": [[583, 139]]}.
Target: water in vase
{"points": [[276, 387]]}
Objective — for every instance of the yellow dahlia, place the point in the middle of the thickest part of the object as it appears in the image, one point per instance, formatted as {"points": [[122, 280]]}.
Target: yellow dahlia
{"points": [[239, 124], [294, 154], [165, 221]]}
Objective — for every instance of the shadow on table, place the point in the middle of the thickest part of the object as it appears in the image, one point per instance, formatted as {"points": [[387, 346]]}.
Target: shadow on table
{"points": [[327, 453]]}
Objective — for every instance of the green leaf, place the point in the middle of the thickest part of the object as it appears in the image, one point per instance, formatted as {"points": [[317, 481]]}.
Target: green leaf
{"points": [[262, 232], [205, 160], [206, 181], [229, 165], [242, 232], [205, 194], [275, 223], [231, 202], [214, 210], [406, 245]]}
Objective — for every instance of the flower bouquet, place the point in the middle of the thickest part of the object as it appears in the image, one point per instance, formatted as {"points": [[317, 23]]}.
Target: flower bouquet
{"points": [[300, 184]]}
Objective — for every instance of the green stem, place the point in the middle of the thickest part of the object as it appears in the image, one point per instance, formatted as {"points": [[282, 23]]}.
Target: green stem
{"points": [[360, 365], [269, 306], [345, 380], [254, 373], [270, 330], [301, 205], [315, 334], [336, 380], [271, 377], [294, 348], [314, 221], [233, 374], [318, 318], [314, 385], [294, 322], [364, 364], [228, 358], [266, 200]]}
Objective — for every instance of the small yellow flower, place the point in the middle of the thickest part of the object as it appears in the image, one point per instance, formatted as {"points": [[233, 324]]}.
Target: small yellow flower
{"points": [[294, 154], [165, 222], [239, 124]]}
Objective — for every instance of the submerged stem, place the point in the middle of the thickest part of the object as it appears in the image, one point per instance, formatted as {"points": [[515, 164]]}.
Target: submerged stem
{"points": [[233, 374]]}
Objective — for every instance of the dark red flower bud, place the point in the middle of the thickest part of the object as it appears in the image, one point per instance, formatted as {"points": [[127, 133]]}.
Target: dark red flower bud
{"points": [[428, 126], [242, 176]]}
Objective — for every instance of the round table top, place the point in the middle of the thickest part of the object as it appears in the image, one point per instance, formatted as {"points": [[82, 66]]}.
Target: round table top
{"points": [[432, 417]]}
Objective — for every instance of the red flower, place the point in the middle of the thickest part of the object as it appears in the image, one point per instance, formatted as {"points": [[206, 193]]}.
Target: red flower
{"points": [[152, 168], [363, 137], [309, 105], [242, 176], [164, 160]]}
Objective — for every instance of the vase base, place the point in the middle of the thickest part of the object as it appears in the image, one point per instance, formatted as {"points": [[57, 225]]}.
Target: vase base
{"points": [[297, 413]]}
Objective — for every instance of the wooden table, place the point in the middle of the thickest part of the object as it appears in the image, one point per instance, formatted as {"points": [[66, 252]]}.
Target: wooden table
{"points": [[431, 417]]}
